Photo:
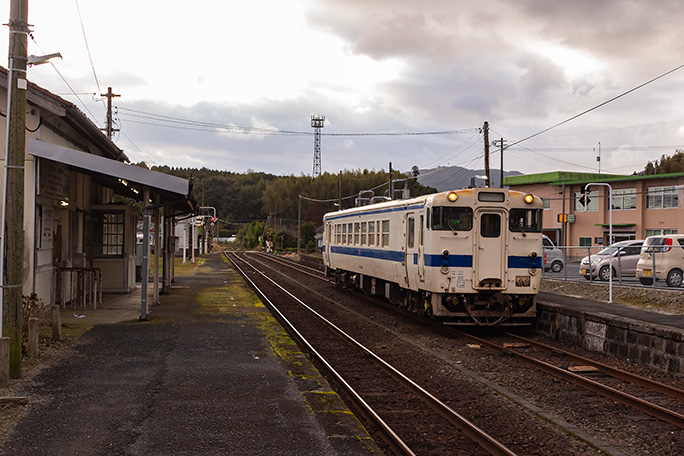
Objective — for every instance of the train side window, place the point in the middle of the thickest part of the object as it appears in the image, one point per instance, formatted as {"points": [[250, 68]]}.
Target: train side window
{"points": [[350, 233], [490, 225], [364, 231], [371, 234], [385, 233], [357, 232], [411, 232], [344, 233]]}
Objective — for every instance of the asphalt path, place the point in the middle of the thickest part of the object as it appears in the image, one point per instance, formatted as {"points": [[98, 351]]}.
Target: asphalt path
{"points": [[197, 379]]}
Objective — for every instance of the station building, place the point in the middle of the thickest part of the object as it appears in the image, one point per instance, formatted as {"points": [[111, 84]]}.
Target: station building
{"points": [[82, 200], [640, 205]]}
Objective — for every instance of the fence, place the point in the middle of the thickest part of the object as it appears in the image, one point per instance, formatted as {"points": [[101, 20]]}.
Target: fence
{"points": [[79, 287], [596, 262]]}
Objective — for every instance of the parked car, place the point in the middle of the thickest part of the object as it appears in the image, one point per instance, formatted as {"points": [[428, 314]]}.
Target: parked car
{"points": [[553, 256], [624, 258], [669, 260]]}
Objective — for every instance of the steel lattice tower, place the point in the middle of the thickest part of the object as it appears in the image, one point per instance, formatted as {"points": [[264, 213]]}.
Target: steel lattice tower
{"points": [[317, 122]]}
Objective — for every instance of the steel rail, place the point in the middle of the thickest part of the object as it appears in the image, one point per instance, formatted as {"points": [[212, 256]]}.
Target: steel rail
{"points": [[487, 442], [612, 371], [611, 393], [396, 444]]}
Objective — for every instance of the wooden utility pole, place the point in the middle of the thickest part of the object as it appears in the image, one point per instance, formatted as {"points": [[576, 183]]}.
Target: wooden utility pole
{"points": [[109, 127], [485, 130], [13, 206]]}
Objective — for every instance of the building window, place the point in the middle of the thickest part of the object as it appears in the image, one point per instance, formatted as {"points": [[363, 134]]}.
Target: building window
{"points": [[109, 234], [547, 203], [624, 199], [586, 203], [661, 197], [661, 232], [585, 242]]}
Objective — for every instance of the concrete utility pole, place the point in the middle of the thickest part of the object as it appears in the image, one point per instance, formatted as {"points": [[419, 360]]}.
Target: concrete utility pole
{"points": [[13, 206], [109, 128], [485, 130], [391, 184]]}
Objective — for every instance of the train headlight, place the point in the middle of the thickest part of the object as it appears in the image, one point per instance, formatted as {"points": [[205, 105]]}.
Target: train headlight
{"points": [[452, 196], [529, 199]]}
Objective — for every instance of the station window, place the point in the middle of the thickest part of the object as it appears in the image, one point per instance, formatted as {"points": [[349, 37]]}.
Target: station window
{"points": [[350, 233], [660, 232], [364, 233], [357, 233], [371, 234], [338, 234], [109, 234], [661, 197], [547, 203], [344, 233], [624, 199], [385, 233], [585, 242], [590, 203]]}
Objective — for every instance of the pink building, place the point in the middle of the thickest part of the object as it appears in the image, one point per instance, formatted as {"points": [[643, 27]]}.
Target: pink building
{"points": [[642, 205]]}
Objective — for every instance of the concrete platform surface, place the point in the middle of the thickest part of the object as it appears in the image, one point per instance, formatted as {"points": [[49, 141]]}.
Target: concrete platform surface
{"points": [[210, 373]]}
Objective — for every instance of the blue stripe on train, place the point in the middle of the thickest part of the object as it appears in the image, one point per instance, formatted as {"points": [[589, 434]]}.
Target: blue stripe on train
{"points": [[435, 261]]}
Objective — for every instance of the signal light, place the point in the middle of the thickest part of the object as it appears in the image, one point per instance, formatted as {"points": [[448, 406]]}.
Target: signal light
{"points": [[563, 218]]}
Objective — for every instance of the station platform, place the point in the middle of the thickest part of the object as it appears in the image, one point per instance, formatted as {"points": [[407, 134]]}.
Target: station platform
{"points": [[210, 373]]}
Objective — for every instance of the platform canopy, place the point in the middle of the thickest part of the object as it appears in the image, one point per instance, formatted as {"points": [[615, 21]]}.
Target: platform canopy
{"points": [[125, 179]]}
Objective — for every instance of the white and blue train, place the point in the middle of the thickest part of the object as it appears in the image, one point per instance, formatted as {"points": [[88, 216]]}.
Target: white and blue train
{"points": [[468, 257]]}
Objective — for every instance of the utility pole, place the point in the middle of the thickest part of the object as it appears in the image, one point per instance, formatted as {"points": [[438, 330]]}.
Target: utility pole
{"points": [[109, 128], [501, 144], [485, 130], [339, 192], [13, 207], [391, 184]]}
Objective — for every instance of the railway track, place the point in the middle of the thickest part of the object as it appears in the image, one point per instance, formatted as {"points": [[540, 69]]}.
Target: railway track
{"points": [[430, 418], [655, 399]]}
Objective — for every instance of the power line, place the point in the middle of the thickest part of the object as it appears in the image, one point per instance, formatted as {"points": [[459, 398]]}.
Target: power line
{"points": [[85, 38], [209, 126], [598, 106]]}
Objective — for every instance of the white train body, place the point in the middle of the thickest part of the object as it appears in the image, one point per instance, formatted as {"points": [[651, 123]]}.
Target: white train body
{"points": [[470, 256]]}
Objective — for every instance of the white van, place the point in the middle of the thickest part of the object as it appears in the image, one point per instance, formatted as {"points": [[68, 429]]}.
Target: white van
{"points": [[668, 251], [553, 256]]}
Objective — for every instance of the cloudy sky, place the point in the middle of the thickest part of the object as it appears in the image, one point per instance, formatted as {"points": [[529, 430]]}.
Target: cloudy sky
{"points": [[232, 85]]}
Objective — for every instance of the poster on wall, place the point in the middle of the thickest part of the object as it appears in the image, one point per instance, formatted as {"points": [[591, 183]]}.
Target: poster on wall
{"points": [[46, 235]]}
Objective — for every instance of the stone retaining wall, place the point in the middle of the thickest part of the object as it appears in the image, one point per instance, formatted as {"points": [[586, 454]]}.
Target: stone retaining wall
{"points": [[659, 347]]}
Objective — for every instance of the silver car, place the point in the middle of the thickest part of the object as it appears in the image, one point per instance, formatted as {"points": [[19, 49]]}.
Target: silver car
{"points": [[622, 261], [553, 256]]}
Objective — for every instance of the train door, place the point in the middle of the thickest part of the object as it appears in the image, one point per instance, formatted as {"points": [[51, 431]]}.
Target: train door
{"points": [[490, 257], [327, 242], [421, 238], [412, 255]]}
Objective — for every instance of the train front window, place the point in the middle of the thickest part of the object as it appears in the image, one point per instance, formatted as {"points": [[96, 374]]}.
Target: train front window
{"points": [[526, 220], [452, 218]]}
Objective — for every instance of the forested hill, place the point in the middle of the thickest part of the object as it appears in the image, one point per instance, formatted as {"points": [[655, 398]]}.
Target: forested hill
{"points": [[243, 198]]}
